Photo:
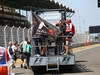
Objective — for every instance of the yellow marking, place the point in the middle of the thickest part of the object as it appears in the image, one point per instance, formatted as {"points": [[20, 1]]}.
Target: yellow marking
{"points": [[84, 48]]}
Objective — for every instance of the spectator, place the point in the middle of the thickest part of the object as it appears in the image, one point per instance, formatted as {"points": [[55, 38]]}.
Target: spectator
{"points": [[29, 50], [15, 49], [11, 50], [23, 46]]}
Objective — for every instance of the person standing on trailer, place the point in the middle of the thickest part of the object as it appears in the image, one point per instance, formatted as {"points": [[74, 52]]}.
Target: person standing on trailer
{"points": [[70, 31], [60, 40]]}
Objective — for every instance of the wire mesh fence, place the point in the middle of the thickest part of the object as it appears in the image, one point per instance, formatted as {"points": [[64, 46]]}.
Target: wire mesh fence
{"points": [[13, 33], [19, 34], [1, 35]]}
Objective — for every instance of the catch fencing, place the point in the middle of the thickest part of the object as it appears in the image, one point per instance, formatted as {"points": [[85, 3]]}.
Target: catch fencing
{"points": [[19, 34], [13, 33]]}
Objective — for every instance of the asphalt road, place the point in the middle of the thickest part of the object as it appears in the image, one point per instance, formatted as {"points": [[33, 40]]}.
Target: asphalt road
{"points": [[87, 63]]}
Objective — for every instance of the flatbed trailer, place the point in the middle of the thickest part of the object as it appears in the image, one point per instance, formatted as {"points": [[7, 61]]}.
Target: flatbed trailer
{"points": [[53, 60]]}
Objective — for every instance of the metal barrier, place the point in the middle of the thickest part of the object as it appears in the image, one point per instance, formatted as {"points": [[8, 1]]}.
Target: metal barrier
{"points": [[13, 33]]}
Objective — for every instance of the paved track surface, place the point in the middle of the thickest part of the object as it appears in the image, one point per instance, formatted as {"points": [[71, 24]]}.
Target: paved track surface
{"points": [[87, 63]]}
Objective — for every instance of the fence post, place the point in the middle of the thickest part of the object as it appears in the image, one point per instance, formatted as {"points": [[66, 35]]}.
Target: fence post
{"points": [[12, 39], [18, 34], [24, 33], [29, 34], [5, 36]]}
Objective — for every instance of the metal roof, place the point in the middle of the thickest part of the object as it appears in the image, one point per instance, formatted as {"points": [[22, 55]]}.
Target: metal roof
{"points": [[34, 4]]}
